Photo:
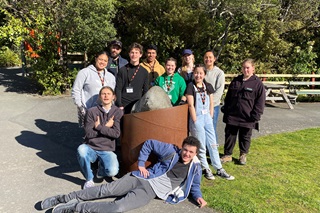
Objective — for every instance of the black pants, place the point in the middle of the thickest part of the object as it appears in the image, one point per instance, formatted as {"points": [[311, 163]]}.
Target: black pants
{"points": [[231, 138]]}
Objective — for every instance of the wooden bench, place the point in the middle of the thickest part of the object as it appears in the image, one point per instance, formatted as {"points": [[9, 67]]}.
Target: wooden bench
{"points": [[308, 92], [293, 87]]}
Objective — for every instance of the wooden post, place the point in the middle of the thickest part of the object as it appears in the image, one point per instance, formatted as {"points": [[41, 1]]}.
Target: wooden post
{"points": [[264, 78], [313, 79]]}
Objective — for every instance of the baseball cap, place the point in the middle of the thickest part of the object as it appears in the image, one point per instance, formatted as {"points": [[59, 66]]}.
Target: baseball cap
{"points": [[116, 42], [187, 51], [152, 47]]}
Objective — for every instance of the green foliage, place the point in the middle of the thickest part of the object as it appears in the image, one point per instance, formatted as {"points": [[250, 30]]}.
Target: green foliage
{"points": [[54, 79], [87, 25], [60, 26], [11, 30], [237, 29], [303, 60], [280, 176], [8, 57], [269, 31], [308, 98]]}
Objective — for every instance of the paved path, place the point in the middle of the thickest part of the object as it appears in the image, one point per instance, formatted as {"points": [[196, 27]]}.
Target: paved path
{"points": [[39, 136]]}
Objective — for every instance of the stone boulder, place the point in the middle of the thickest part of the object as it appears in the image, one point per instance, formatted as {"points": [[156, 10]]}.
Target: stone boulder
{"points": [[155, 98]]}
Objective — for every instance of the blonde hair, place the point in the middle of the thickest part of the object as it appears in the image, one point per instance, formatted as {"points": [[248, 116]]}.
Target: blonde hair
{"points": [[184, 67], [249, 60]]}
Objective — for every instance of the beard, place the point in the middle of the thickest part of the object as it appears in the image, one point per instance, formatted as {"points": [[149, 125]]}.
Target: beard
{"points": [[114, 55]]}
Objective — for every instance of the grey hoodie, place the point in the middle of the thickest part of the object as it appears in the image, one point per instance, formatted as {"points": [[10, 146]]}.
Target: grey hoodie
{"points": [[86, 87]]}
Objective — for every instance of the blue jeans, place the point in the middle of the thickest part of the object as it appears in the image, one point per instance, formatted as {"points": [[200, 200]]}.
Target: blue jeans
{"points": [[216, 110], [203, 130], [108, 162]]}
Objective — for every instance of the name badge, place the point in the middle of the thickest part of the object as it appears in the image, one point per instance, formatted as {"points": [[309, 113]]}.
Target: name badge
{"points": [[129, 89], [204, 111]]}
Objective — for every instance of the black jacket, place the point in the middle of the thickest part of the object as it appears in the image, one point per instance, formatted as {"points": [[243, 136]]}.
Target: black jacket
{"points": [[139, 84], [244, 102]]}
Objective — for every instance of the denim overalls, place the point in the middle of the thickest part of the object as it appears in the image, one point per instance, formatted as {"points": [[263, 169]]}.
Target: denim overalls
{"points": [[203, 130]]}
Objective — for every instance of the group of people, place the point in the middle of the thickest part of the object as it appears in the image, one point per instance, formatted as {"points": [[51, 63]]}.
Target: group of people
{"points": [[109, 88]]}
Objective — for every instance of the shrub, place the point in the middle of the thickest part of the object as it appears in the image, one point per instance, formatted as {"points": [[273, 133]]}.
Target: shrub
{"points": [[54, 79], [9, 58]]}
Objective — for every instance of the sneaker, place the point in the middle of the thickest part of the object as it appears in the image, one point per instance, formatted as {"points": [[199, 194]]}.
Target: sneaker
{"points": [[69, 207], [88, 184], [208, 174], [52, 201], [243, 159], [223, 174], [226, 158]]}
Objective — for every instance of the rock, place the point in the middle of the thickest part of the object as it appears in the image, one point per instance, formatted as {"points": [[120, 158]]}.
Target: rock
{"points": [[155, 98]]}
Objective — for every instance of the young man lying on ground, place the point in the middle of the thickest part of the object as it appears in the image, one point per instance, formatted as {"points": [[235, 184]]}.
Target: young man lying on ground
{"points": [[176, 174]]}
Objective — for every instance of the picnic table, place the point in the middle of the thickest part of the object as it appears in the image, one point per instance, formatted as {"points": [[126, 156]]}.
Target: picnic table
{"points": [[273, 95]]}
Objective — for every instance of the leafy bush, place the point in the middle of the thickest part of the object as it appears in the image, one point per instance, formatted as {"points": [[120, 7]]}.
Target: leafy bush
{"points": [[54, 79], [308, 98], [9, 58]]}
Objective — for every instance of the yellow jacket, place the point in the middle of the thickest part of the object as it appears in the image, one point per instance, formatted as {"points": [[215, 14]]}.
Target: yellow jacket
{"points": [[158, 70]]}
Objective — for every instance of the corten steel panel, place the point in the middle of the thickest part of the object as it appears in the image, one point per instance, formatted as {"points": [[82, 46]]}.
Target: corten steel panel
{"points": [[167, 125]]}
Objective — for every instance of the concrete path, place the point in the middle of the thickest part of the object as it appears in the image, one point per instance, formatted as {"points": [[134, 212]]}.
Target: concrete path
{"points": [[39, 137]]}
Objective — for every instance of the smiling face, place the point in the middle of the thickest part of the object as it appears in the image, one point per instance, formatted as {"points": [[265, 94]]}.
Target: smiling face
{"points": [[209, 59], [199, 74], [170, 67], [135, 56], [247, 69], [151, 55], [115, 51], [106, 96], [101, 62], [188, 152], [188, 58]]}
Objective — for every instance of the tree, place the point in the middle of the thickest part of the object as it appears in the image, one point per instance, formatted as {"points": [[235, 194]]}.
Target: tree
{"points": [[267, 30], [61, 26]]}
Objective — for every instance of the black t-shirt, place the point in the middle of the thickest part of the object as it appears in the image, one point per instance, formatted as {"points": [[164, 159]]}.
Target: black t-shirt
{"points": [[191, 90], [178, 173]]}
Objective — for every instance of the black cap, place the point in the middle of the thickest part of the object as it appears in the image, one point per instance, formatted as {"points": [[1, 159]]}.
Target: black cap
{"points": [[152, 47], [116, 42]]}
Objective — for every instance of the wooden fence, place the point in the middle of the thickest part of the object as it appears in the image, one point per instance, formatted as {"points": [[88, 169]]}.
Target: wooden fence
{"points": [[278, 78]]}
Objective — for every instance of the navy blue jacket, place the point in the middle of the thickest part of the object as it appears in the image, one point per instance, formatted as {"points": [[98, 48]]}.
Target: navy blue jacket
{"points": [[244, 102]]}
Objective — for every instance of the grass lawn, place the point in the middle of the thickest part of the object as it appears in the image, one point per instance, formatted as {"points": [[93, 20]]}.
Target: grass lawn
{"points": [[282, 175]]}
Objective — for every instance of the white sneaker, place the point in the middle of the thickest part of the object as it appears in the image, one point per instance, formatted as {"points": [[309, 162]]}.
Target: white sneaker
{"points": [[222, 173], [208, 174], [88, 184]]}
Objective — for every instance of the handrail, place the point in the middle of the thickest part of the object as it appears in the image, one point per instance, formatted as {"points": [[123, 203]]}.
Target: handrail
{"points": [[266, 76], [280, 75]]}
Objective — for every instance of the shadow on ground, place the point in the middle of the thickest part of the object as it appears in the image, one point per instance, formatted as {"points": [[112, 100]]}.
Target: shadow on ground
{"points": [[13, 80], [57, 145]]}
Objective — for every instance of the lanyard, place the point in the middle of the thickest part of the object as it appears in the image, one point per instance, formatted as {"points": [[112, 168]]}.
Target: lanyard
{"points": [[134, 74], [202, 93], [168, 84], [101, 77], [152, 70]]}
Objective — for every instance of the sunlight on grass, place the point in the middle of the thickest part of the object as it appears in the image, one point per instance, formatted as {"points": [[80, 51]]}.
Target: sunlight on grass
{"points": [[281, 175]]}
